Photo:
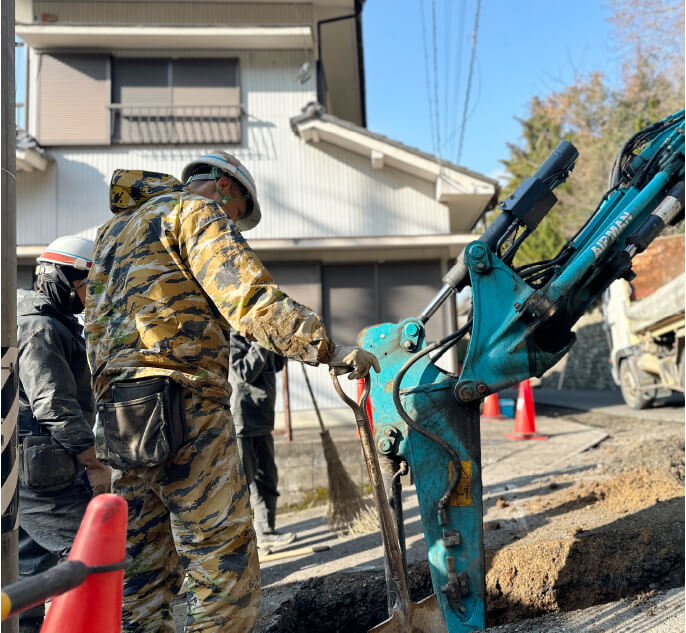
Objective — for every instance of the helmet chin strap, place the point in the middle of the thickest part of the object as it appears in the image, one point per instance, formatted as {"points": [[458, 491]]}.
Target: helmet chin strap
{"points": [[225, 198]]}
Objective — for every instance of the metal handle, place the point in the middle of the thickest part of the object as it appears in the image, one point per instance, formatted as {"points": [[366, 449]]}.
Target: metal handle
{"points": [[389, 531], [31, 591]]}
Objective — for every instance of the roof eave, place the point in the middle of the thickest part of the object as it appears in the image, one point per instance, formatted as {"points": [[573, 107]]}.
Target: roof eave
{"points": [[61, 36], [29, 160]]}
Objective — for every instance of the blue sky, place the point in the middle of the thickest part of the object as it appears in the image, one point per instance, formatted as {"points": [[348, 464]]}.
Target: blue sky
{"points": [[524, 48]]}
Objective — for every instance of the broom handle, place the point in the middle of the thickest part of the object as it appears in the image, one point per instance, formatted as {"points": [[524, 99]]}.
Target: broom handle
{"points": [[314, 402]]}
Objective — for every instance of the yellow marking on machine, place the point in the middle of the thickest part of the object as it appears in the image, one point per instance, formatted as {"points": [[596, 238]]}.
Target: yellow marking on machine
{"points": [[462, 495]]}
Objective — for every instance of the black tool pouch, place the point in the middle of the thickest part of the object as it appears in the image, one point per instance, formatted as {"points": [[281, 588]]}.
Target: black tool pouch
{"points": [[144, 424], [44, 466]]}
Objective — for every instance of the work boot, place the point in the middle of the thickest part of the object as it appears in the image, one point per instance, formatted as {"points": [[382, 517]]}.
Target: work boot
{"points": [[274, 539]]}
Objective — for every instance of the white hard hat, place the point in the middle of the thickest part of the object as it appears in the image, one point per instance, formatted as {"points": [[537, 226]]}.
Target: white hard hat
{"points": [[239, 172], [70, 250]]}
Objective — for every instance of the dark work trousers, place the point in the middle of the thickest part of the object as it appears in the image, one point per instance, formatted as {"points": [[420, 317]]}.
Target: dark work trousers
{"points": [[48, 523], [257, 455]]}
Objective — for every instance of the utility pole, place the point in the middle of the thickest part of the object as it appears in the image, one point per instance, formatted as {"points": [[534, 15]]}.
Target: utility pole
{"points": [[8, 311]]}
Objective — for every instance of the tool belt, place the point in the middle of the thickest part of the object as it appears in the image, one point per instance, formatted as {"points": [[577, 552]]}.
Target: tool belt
{"points": [[145, 423], [44, 465]]}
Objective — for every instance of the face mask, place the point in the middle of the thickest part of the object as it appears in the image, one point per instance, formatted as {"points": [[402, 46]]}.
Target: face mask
{"points": [[54, 283]]}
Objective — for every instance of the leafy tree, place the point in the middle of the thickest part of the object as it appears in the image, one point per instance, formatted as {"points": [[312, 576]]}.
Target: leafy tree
{"points": [[597, 119], [541, 135], [650, 29]]}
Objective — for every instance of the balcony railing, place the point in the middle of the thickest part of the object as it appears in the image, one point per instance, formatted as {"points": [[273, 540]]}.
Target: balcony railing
{"points": [[175, 124]]}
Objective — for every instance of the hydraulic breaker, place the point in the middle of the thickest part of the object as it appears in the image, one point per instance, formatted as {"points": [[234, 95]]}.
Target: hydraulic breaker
{"points": [[440, 441]]}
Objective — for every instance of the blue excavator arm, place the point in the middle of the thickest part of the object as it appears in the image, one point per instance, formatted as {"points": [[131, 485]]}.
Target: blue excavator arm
{"points": [[520, 326]]}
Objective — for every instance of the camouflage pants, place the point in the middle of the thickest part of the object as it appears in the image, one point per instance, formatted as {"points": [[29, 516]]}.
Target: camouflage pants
{"points": [[192, 515]]}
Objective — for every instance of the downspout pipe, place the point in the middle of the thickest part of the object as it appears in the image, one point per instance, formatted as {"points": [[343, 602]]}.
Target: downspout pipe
{"points": [[360, 61]]}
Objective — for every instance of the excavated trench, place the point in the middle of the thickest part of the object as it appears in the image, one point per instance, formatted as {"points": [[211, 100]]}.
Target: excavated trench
{"points": [[587, 542]]}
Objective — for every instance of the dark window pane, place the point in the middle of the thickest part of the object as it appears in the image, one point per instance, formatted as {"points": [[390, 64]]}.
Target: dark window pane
{"points": [[204, 73], [137, 81], [141, 88], [206, 100], [194, 100]]}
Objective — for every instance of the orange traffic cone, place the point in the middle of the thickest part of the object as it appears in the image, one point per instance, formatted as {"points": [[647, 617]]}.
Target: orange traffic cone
{"points": [[360, 391], [492, 407], [525, 416], [94, 605]]}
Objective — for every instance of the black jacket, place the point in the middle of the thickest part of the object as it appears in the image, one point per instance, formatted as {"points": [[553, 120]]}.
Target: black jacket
{"points": [[252, 375], [55, 393]]}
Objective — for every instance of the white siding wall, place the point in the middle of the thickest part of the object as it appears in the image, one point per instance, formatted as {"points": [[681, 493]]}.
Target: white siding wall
{"points": [[305, 190], [37, 206]]}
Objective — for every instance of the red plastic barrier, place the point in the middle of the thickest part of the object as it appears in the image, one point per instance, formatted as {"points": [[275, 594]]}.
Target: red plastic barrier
{"points": [[94, 606]]}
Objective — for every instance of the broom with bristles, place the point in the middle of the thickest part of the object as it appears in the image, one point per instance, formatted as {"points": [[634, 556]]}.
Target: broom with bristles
{"points": [[347, 511]]}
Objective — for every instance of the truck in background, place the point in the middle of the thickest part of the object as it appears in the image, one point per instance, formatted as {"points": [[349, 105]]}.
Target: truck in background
{"points": [[645, 325]]}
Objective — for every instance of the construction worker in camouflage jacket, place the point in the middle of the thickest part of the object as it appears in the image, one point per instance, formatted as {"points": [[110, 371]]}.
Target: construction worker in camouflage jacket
{"points": [[172, 274]]}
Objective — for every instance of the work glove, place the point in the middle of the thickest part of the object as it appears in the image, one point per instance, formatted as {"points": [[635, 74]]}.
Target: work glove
{"points": [[349, 357]]}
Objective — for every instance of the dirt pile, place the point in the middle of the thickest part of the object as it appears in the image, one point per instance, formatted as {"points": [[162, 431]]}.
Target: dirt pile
{"points": [[627, 492], [596, 541], [592, 542]]}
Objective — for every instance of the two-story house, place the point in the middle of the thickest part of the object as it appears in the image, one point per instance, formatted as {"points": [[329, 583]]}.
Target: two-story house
{"points": [[356, 225]]}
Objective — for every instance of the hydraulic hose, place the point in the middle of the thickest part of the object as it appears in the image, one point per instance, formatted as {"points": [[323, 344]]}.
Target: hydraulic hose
{"points": [[455, 479]]}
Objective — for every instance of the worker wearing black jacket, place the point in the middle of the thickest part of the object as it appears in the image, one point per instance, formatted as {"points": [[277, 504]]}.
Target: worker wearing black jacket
{"points": [[253, 378], [58, 469]]}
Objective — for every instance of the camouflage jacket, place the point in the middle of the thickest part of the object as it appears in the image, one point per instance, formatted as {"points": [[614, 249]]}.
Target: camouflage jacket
{"points": [[171, 276]]}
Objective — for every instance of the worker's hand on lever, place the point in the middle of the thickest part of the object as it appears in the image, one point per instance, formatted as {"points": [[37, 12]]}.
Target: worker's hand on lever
{"points": [[357, 361]]}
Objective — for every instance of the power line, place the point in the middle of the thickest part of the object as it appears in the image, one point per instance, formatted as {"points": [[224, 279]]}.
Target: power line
{"points": [[469, 79], [454, 75], [448, 66], [435, 50], [426, 76]]}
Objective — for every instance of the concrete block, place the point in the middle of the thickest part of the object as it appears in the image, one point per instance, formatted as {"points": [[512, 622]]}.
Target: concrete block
{"points": [[296, 479]]}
